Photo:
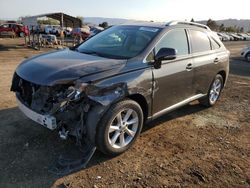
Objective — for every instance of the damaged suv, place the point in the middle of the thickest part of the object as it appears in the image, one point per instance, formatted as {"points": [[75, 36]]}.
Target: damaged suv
{"points": [[105, 89]]}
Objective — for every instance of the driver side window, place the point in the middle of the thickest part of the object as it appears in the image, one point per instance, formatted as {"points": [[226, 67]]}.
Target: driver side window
{"points": [[176, 39]]}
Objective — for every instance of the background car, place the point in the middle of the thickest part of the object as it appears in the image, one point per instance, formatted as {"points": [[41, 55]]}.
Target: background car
{"points": [[56, 29], [245, 52], [48, 39], [236, 37], [95, 30], [67, 31], [83, 32], [48, 29], [245, 36], [223, 36], [19, 29]]}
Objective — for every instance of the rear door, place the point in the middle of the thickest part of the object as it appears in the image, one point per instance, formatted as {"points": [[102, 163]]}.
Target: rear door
{"points": [[173, 82], [204, 60]]}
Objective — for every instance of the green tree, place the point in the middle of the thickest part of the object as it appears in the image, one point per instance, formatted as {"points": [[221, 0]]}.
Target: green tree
{"points": [[48, 21], [212, 24], [222, 27], [80, 17], [104, 24], [230, 29], [192, 20]]}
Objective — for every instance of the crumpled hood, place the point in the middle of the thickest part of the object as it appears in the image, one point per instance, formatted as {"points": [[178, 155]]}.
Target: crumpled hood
{"points": [[65, 66]]}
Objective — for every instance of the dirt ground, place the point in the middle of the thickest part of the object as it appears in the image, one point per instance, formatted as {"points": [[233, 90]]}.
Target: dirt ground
{"points": [[191, 147]]}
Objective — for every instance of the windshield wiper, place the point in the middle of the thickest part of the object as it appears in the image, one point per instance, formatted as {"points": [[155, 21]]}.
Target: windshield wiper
{"points": [[93, 53], [102, 54]]}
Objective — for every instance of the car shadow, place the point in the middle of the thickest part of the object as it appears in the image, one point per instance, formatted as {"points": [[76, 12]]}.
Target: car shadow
{"points": [[183, 111], [29, 150], [11, 47]]}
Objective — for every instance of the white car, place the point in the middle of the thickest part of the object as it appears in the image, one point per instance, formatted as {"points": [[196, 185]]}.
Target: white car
{"points": [[223, 37], [245, 52], [245, 36]]}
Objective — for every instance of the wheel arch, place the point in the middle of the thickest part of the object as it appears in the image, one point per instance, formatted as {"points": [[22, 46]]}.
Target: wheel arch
{"points": [[224, 76], [96, 113], [140, 99]]}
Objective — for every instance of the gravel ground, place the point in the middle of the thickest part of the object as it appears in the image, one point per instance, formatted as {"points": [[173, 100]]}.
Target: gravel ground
{"points": [[190, 147]]}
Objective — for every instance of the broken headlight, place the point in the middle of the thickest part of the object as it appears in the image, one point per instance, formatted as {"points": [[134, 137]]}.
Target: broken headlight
{"points": [[75, 92]]}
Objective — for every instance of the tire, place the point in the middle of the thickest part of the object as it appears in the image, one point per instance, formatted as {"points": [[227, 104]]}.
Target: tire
{"points": [[21, 34], [214, 92], [109, 139], [247, 56]]}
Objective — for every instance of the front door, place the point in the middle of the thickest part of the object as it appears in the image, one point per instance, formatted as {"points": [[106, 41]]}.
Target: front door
{"points": [[173, 82]]}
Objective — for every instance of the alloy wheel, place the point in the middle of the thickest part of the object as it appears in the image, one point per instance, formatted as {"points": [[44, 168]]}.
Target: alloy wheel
{"points": [[215, 91], [123, 128]]}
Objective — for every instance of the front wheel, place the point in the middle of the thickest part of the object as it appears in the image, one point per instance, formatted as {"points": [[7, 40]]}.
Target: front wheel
{"points": [[214, 92], [119, 127]]}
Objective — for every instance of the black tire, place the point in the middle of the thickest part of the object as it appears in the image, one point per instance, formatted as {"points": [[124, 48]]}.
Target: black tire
{"points": [[247, 56], [103, 134], [206, 100]]}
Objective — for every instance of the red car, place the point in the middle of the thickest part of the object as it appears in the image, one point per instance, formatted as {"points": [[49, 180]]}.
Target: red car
{"points": [[83, 32], [19, 29]]}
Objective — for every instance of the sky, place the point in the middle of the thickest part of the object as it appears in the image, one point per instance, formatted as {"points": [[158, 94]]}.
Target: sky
{"points": [[157, 10]]}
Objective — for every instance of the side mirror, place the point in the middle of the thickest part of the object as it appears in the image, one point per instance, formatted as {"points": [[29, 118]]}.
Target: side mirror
{"points": [[164, 54]]}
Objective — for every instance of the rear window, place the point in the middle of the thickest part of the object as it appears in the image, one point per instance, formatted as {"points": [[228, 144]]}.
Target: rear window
{"points": [[199, 41]]}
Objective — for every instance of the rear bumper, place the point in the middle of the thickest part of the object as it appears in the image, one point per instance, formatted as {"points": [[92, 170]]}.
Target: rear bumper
{"points": [[47, 121]]}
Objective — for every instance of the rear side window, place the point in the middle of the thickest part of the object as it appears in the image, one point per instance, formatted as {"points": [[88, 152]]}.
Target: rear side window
{"points": [[176, 39], [199, 41], [215, 44]]}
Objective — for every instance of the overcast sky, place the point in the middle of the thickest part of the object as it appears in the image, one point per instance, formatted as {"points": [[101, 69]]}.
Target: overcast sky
{"points": [[157, 10]]}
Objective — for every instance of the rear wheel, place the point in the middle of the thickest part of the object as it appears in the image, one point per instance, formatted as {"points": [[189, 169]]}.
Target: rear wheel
{"points": [[247, 57], [120, 127], [214, 92]]}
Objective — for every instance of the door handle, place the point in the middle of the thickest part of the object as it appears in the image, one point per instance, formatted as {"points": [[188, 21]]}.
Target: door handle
{"points": [[189, 67], [216, 60]]}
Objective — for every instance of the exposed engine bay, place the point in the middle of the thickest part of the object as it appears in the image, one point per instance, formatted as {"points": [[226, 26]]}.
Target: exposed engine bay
{"points": [[63, 102]]}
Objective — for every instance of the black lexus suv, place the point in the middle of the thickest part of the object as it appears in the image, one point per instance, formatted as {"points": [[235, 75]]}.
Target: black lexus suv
{"points": [[105, 89]]}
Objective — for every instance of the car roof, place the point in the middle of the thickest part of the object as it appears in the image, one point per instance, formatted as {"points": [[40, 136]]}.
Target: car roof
{"points": [[12, 24]]}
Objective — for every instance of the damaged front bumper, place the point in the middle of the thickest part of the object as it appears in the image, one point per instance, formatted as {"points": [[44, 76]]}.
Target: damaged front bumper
{"points": [[73, 109], [47, 121]]}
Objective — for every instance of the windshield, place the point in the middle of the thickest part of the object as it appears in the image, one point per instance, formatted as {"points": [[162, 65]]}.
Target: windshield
{"points": [[119, 42]]}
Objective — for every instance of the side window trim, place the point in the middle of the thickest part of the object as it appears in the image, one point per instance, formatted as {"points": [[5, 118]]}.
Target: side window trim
{"points": [[188, 41]]}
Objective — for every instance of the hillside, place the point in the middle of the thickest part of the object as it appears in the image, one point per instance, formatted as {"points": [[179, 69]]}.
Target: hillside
{"points": [[233, 22], [245, 23], [111, 21]]}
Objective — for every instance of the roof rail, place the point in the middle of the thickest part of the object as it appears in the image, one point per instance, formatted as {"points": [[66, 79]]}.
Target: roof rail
{"points": [[187, 23]]}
